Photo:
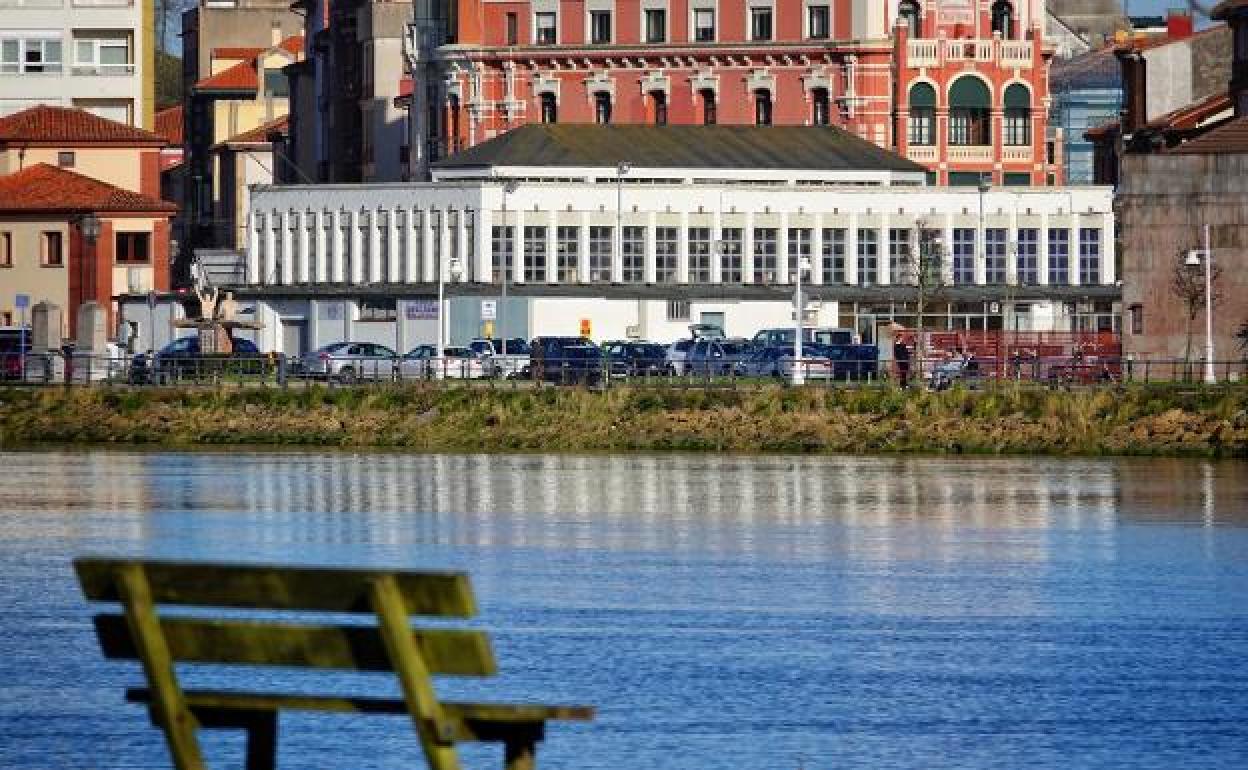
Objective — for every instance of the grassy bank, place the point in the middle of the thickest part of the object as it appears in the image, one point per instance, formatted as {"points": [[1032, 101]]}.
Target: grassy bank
{"points": [[1133, 420]]}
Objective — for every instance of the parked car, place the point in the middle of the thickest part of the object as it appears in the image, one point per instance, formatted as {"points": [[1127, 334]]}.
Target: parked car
{"points": [[629, 358], [509, 364], [350, 362], [716, 357], [678, 355], [777, 361], [419, 363], [812, 335], [570, 360], [852, 362], [182, 359]]}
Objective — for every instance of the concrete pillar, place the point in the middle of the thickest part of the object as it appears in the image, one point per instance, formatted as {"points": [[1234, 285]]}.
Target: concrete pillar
{"points": [[482, 232], [303, 269], [650, 273], [411, 234], [582, 249], [394, 264], [947, 267], [1042, 259], [517, 265], [323, 245], [1011, 249], [682, 248], [45, 327], [1108, 249], [357, 247], [444, 245], [268, 271], [884, 275], [851, 250], [552, 250], [428, 257], [782, 250], [1072, 263], [253, 253], [816, 254], [289, 254], [338, 251], [717, 237], [91, 328], [462, 237], [747, 249]]}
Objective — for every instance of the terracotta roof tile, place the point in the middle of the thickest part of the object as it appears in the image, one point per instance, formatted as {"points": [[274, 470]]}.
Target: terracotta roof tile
{"points": [[46, 123], [44, 188], [236, 53], [241, 77], [169, 124], [1230, 138], [260, 134], [293, 44]]}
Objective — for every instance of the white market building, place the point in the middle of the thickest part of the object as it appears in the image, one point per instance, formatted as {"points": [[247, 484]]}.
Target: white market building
{"points": [[705, 225]]}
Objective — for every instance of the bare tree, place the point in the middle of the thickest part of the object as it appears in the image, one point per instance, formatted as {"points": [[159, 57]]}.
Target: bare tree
{"points": [[1187, 284], [922, 266]]}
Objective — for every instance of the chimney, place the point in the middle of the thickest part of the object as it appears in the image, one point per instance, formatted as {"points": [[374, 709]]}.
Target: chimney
{"points": [[275, 34], [1235, 14], [1178, 24], [1134, 84]]}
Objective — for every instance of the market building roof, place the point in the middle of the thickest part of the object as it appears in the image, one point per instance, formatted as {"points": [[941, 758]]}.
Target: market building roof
{"points": [[1230, 138], [66, 125], [588, 145], [44, 188]]}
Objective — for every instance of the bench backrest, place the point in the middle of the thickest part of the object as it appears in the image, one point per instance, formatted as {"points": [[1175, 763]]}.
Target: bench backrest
{"points": [[392, 645]]}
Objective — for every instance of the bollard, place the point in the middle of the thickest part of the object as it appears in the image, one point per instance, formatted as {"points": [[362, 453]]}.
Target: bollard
{"points": [[281, 371]]}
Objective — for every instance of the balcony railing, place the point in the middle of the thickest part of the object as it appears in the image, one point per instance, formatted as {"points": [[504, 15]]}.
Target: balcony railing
{"points": [[971, 154], [933, 53], [922, 154], [1016, 154]]}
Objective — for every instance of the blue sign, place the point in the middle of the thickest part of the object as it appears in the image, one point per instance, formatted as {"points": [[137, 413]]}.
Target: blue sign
{"points": [[22, 301]]}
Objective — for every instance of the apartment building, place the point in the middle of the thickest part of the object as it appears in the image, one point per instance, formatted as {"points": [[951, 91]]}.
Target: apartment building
{"points": [[959, 86], [97, 55]]}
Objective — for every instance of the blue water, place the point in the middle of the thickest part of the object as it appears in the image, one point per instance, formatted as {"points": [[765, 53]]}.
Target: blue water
{"points": [[720, 611]]}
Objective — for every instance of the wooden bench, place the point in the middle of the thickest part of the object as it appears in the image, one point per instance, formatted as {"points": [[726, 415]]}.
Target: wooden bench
{"points": [[414, 655]]}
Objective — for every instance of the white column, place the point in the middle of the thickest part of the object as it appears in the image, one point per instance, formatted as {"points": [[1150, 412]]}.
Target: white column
{"points": [[394, 266], [948, 266], [884, 276], [323, 246], [782, 250], [650, 273], [816, 254], [1072, 263], [981, 249], [307, 228], [428, 267], [582, 248], [717, 259], [1042, 259], [465, 245], [483, 234], [1011, 249], [357, 248], [747, 249], [617, 251], [851, 250], [682, 249], [288, 251], [373, 234], [411, 233], [444, 244], [552, 250], [517, 266], [1108, 249], [338, 268], [253, 252], [269, 269]]}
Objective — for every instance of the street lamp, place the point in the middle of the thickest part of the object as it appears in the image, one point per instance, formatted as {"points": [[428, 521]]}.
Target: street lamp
{"points": [[509, 187], [799, 377], [1194, 258], [456, 270]]}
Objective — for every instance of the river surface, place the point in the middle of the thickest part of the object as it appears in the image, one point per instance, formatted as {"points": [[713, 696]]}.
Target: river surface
{"points": [[720, 611]]}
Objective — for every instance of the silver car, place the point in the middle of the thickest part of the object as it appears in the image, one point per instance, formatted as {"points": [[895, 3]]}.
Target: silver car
{"points": [[350, 362]]}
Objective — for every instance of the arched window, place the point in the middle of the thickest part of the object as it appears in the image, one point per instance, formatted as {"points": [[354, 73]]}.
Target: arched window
{"points": [[708, 107], [922, 130], [550, 110], [1003, 19], [820, 107], [602, 107], [1017, 116], [659, 100], [910, 15], [970, 106], [762, 107]]}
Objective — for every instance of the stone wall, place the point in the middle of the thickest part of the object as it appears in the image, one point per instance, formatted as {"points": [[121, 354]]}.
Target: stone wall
{"points": [[1163, 203]]}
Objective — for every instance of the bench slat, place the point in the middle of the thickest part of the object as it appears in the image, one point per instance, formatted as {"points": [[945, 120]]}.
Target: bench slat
{"points": [[197, 640], [282, 588], [468, 718]]}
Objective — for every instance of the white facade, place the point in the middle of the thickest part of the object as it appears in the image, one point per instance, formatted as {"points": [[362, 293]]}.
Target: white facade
{"points": [[680, 245], [92, 54]]}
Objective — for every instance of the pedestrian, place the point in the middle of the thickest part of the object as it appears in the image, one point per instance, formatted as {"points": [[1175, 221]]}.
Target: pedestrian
{"points": [[901, 354]]}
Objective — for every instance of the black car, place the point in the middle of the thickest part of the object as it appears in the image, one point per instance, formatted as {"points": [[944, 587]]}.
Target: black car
{"points": [[629, 358], [14, 344], [182, 360], [566, 360]]}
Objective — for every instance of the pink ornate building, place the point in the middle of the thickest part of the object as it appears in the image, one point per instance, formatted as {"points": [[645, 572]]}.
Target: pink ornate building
{"points": [[960, 86]]}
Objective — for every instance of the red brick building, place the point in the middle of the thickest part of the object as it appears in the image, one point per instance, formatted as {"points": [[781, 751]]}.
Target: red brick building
{"points": [[960, 86]]}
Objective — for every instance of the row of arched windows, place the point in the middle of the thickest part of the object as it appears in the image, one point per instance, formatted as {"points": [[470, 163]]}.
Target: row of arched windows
{"points": [[970, 111], [910, 15]]}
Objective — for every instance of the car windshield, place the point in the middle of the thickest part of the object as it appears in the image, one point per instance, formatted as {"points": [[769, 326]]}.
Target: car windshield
{"points": [[182, 345], [481, 346], [733, 348], [682, 346], [333, 347], [648, 351], [834, 337], [517, 347], [423, 351]]}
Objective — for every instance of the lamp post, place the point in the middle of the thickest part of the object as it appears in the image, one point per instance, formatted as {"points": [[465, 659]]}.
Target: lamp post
{"points": [[799, 377], [456, 271], [621, 168], [509, 187], [1194, 258]]}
